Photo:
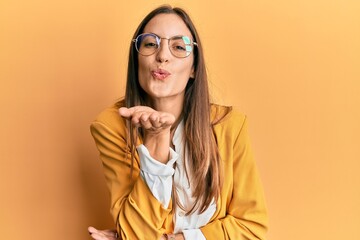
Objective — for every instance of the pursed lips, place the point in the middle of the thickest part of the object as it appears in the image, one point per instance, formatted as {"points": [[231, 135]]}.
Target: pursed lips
{"points": [[160, 74]]}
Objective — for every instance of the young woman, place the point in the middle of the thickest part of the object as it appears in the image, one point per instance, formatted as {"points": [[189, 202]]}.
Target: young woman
{"points": [[177, 166]]}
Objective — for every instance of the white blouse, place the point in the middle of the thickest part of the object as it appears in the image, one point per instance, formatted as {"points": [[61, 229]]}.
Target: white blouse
{"points": [[160, 178]]}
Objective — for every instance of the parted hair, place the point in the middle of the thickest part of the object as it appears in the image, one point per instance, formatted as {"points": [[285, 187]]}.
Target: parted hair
{"points": [[204, 161]]}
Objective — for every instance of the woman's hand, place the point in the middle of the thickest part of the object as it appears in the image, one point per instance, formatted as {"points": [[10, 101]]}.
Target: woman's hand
{"points": [[178, 236], [152, 121], [156, 126], [103, 234], [112, 234]]}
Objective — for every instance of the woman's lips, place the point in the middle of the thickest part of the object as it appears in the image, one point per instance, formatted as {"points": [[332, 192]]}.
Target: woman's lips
{"points": [[160, 74]]}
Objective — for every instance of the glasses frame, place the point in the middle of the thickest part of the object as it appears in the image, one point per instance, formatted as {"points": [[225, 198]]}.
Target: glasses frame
{"points": [[158, 40]]}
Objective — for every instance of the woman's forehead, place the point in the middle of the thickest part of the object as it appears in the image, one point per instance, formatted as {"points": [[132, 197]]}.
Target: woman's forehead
{"points": [[167, 25]]}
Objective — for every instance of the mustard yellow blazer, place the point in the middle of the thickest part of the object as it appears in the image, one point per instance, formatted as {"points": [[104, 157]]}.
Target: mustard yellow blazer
{"points": [[241, 211]]}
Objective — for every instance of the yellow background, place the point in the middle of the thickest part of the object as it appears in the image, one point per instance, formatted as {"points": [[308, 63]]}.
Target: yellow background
{"points": [[293, 66]]}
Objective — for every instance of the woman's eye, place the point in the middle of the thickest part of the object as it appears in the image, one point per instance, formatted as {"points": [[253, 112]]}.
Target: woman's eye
{"points": [[179, 48], [150, 45]]}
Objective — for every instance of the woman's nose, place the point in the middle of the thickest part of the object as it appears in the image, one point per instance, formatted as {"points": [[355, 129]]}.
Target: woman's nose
{"points": [[163, 54]]}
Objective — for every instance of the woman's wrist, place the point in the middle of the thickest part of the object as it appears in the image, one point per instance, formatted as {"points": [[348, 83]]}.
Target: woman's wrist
{"points": [[158, 146], [172, 236]]}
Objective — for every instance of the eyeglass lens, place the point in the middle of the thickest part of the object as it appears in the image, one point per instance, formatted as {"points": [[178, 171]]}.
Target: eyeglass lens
{"points": [[148, 44]]}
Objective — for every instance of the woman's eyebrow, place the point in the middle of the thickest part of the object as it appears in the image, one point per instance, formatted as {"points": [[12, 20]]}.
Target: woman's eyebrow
{"points": [[176, 35]]}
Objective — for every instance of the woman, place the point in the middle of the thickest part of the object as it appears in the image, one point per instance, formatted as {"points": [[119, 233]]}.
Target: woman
{"points": [[177, 166]]}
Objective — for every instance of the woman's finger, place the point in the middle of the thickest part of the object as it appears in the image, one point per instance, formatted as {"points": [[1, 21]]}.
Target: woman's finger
{"points": [[154, 119], [102, 234], [124, 112], [129, 112], [145, 121], [92, 229], [110, 232], [166, 120]]}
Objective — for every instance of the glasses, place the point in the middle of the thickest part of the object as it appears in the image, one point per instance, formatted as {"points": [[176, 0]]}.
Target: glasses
{"points": [[148, 43]]}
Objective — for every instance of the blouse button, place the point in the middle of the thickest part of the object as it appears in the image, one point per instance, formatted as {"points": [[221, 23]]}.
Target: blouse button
{"points": [[181, 214]]}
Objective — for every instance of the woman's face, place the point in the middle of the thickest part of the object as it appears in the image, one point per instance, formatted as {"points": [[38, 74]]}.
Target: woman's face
{"points": [[161, 75]]}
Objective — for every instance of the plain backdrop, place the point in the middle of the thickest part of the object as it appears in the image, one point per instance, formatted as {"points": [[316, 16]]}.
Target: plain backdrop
{"points": [[293, 66]]}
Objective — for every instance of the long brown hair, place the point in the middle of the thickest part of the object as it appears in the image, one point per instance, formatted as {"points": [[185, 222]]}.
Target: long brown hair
{"points": [[204, 160]]}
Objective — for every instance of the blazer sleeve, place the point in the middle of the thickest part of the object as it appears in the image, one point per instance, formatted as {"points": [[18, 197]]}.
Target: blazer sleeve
{"points": [[246, 214], [137, 213]]}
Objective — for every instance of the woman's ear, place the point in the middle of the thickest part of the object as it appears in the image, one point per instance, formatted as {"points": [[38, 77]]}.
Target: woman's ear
{"points": [[192, 74]]}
